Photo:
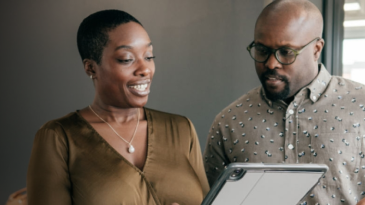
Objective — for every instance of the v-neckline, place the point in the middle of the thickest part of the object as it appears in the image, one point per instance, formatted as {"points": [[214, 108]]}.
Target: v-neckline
{"points": [[149, 136]]}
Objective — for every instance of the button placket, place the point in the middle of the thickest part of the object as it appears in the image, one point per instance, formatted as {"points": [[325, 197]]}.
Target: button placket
{"points": [[290, 133]]}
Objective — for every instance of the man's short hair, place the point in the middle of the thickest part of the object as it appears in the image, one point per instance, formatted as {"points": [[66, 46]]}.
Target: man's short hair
{"points": [[92, 35]]}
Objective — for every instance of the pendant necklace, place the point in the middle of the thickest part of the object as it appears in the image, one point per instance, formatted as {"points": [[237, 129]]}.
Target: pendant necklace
{"points": [[130, 146]]}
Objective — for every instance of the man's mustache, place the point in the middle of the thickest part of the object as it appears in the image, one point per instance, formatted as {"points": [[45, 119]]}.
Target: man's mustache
{"points": [[273, 73]]}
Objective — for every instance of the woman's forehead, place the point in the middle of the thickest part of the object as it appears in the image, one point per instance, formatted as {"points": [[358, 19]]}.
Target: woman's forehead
{"points": [[128, 35]]}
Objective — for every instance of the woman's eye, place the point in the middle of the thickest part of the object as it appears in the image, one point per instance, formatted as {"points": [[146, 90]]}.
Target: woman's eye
{"points": [[125, 60], [150, 58]]}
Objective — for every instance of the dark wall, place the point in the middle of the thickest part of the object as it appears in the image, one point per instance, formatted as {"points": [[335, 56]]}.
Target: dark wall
{"points": [[202, 65]]}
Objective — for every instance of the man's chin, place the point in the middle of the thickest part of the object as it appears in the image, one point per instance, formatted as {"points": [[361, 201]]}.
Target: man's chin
{"points": [[276, 93]]}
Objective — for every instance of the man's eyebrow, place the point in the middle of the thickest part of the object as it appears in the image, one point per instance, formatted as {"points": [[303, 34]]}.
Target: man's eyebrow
{"points": [[130, 47], [287, 45]]}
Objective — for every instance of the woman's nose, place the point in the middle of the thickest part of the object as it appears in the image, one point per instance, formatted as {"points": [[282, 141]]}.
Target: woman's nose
{"points": [[144, 69]]}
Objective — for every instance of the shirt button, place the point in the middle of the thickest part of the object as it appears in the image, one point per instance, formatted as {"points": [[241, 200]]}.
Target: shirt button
{"points": [[290, 146], [291, 112], [314, 97]]}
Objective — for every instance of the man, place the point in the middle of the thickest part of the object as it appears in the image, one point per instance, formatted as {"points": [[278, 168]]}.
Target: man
{"points": [[300, 114]]}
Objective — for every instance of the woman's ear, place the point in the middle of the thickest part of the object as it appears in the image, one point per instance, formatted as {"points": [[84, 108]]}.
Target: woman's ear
{"points": [[318, 49], [89, 67]]}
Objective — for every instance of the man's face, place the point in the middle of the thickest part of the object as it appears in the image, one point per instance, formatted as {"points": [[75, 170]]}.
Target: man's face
{"points": [[283, 81]]}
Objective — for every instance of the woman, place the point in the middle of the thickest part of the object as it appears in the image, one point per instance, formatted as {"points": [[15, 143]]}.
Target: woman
{"points": [[115, 151]]}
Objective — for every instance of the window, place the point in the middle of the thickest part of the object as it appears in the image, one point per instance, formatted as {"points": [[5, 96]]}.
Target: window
{"points": [[353, 52]]}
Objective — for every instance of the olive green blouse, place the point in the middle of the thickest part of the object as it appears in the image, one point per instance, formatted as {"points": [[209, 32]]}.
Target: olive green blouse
{"points": [[72, 164]]}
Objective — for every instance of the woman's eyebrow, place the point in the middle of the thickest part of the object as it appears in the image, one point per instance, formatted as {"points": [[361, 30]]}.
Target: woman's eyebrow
{"points": [[123, 47], [130, 47]]}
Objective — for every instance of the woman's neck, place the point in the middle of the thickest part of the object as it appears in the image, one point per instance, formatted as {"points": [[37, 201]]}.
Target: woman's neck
{"points": [[115, 114]]}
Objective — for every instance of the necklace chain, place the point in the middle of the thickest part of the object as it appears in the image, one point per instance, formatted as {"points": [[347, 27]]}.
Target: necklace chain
{"points": [[131, 148]]}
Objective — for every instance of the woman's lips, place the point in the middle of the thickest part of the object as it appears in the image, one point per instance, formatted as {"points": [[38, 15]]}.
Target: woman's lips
{"points": [[141, 89]]}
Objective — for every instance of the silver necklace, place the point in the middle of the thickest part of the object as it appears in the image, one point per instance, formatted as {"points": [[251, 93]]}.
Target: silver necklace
{"points": [[130, 146]]}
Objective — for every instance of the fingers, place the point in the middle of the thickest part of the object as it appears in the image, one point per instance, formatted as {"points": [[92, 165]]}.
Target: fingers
{"points": [[21, 199], [174, 204], [17, 193], [361, 202], [24, 198]]}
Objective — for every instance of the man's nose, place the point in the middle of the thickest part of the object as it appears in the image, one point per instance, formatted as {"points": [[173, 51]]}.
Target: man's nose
{"points": [[272, 62]]}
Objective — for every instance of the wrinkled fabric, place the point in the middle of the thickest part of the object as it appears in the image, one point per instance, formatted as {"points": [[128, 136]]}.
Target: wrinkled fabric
{"points": [[324, 124], [72, 164]]}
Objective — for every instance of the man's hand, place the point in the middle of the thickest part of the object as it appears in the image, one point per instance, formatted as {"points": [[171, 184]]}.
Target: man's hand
{"points": [[361, 202]]}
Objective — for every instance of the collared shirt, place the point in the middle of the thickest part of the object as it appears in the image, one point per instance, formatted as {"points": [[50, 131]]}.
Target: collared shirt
{"points": [[324, 124]]}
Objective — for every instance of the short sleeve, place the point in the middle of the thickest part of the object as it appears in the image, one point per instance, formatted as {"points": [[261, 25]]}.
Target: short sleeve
{"points": [[48, 176]]}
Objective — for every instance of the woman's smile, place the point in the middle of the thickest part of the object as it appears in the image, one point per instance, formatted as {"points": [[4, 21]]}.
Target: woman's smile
{"points": [[140, 88]]}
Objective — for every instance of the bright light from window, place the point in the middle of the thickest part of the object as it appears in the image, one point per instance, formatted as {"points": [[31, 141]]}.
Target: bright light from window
{"points": [[351, 6], [352, 51], [354, 23], [353, 60]]}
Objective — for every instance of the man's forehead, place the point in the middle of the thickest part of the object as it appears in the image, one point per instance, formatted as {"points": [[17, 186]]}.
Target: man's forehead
{"points": [[291, 32], [300, 18]]}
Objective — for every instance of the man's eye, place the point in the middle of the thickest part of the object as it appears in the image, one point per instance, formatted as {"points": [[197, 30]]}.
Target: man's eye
{"points": [[261, 50], [125, 60], [286, 52]]}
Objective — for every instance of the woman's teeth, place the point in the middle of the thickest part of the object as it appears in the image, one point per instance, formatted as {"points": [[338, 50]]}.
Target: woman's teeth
{"points": [[141, 87]]}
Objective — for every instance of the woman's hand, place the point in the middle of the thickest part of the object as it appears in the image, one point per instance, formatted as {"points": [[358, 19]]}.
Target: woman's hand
{"points": [[18, 197], [174, 204], [361, 202]]}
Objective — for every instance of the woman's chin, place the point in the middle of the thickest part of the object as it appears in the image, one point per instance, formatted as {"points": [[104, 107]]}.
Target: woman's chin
{"points": [[139, 103]]}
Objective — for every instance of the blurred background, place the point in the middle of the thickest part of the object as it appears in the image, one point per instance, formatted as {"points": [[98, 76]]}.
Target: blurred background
{"points": [[201, 62], [354, 41]]}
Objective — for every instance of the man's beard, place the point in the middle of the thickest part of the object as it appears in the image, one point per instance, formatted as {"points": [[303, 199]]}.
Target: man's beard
{"points": [[282, 95]]}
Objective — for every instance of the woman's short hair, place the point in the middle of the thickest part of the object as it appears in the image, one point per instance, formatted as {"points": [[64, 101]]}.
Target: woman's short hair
{"points": [[92, 35]]}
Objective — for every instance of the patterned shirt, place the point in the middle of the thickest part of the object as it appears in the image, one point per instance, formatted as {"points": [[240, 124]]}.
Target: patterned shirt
{"points": [[324, 124]]}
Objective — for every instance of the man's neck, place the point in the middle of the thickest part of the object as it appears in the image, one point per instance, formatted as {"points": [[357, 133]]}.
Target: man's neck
{"points": [[289, 100]]}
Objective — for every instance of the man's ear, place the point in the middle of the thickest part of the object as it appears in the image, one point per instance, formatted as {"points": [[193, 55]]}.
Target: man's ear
{"points": [[318, 49], [90, 68]]}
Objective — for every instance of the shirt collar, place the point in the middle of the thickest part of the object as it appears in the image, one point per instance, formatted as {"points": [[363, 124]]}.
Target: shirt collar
{"points": [[316, 87], [319, 84]]}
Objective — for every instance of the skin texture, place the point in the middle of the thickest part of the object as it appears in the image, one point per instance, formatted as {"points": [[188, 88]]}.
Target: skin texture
{"points": [[18, 197], [289, 24], [126, 60]]}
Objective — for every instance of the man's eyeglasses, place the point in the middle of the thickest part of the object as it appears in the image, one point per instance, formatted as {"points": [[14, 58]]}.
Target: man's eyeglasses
{"points": [[284, 55]]}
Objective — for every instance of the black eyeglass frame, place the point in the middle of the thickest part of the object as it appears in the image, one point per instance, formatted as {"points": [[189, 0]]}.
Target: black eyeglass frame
{"points": [[275, 51]]}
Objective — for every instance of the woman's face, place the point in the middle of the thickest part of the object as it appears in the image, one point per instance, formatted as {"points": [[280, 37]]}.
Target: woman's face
{"points": [[125, 73]]}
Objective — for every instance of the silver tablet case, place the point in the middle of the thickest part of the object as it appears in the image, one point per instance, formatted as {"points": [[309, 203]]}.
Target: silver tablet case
{"points": [[282, 184]]}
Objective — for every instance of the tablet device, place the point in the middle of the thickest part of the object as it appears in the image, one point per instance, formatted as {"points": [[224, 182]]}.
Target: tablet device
{"points": [[257, 183]]}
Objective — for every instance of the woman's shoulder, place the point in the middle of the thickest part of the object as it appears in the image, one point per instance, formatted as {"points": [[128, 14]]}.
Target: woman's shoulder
{"points": [[61, 123], [167, 123], [54, 132], [156, 115]]}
